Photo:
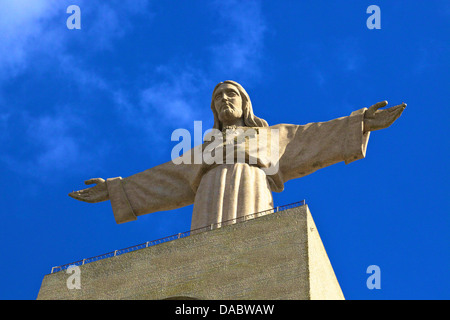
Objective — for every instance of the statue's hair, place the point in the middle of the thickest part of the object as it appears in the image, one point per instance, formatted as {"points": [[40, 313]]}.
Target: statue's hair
{"points": [[250, 119]]}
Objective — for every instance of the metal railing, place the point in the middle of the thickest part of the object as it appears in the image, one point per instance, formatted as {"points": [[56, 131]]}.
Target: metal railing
{"points": [[179, 235]]}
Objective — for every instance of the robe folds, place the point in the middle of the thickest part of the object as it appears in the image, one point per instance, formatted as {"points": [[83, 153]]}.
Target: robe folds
{"points": [[229, 190]]}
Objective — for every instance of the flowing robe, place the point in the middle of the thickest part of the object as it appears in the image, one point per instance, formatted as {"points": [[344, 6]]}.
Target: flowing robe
{"points": [[221, 192]]}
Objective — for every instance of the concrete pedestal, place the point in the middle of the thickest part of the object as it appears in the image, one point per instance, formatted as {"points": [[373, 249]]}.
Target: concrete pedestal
{"points": [[278, 256]]}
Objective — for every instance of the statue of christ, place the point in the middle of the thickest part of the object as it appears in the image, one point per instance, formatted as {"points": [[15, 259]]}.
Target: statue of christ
{"points": [[226, 190]]}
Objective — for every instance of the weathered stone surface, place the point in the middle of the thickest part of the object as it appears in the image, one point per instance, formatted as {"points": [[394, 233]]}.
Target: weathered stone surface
{"points": [[278, 256]]}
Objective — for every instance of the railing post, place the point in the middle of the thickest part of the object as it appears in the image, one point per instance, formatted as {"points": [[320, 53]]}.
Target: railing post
{"points": [[115, 252], [83, 262]]}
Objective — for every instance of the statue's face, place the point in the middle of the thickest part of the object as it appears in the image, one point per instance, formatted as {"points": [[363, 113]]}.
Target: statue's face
{"points": [[228, 102]]}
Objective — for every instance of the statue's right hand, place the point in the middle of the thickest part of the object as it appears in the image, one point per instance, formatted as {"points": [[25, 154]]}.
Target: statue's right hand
{"points": [[95, 194]]}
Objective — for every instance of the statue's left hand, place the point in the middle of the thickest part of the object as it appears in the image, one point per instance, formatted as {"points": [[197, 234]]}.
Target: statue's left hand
{"points": [[375, 119], [95, 194]]}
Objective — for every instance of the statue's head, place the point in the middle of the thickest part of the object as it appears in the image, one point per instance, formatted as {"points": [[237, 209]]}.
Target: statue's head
{"points": [[239, 105]]}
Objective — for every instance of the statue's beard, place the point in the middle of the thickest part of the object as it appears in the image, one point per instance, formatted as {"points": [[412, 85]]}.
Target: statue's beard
{"points": [[229, 113]]}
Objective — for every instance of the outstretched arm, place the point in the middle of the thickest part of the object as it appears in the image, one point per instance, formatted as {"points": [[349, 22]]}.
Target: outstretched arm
{"points": [[164, 187], [317, 145]]}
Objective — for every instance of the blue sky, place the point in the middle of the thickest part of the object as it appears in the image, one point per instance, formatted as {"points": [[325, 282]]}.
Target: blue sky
{"points": [[103, 101]]}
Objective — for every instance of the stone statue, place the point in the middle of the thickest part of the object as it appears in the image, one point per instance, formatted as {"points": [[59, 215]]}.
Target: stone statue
{"points": [[225, 191]]}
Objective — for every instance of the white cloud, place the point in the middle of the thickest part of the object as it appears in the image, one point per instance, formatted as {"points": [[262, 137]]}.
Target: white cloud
{"points": [[75, 70], [181, 94], [169, 95], [110, 20], [22, 29], [172, 97], [241, 34], [176, 97], [38, 28], [34, 36]]}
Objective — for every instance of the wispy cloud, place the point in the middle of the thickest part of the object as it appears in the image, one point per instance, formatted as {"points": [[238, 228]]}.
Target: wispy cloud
{"points": [[23, 33], [181, 94], [110, 20], [37, 29], [176, 98], [163, 95], [34, 38], [240, 38], [170, 97]]}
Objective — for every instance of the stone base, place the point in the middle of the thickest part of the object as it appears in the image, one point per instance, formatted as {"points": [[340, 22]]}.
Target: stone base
{"points": [[278, 256]]}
